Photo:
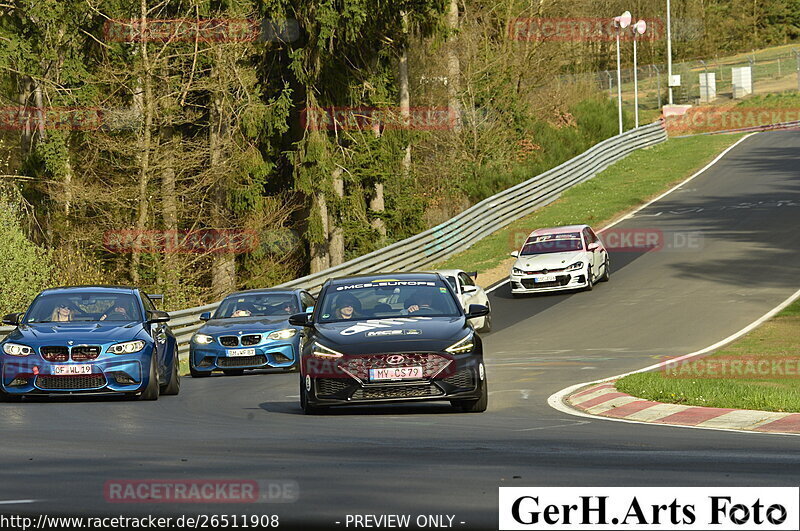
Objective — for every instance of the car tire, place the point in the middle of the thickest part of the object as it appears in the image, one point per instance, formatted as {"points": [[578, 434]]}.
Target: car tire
{"points": [[194, 373], [606, 271], [173, 386], [233, 372], [589, 280], [307, 408], [487, 324], [151, 391], [474, 406]]}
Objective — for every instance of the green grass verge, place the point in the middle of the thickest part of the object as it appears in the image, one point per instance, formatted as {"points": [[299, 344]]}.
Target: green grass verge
{"points": [[627, 184], [783, 100], [775, 342], [183, 367]]}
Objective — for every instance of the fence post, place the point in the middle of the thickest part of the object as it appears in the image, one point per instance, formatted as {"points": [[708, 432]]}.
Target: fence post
{"points": [[658, 83], [796, 53]]}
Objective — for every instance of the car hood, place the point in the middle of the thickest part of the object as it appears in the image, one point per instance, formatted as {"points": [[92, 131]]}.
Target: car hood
{"points": [[402, 334], [537, 262], [91, 333], [245, 325]]}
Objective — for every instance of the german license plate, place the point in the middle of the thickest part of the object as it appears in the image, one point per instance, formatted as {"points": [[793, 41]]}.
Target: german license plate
{"points": [[63, 370], [545, 278], [235, 352], [396, 373]]}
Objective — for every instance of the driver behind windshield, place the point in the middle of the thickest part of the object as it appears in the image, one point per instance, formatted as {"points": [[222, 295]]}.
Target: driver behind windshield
{"points": [[116, 312], [347, 307], [62, 313], [244, 309], [422, 300]]}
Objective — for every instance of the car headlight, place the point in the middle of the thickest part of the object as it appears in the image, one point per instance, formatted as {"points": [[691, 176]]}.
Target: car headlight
{"points": [[516, 271], [321, 351], [14, 349], [129, 347], [286, 333], [461, 346], [202, 339], [574, 267]]}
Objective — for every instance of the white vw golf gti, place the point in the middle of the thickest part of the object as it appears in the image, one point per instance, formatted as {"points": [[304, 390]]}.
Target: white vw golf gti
{"points": [[559, 258]]}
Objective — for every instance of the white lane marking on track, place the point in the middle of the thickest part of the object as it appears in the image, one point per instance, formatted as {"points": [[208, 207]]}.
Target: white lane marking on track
{"points": [[638, 209], [556, 400], [573, 423], [680, 184], [14, 502]]}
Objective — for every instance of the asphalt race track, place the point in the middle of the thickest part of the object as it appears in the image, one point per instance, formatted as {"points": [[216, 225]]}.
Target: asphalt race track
{"points": [[59, 453]]}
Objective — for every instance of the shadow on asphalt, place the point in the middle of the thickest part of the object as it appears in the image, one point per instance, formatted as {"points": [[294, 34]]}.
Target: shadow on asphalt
{"points": [[293, 408]]}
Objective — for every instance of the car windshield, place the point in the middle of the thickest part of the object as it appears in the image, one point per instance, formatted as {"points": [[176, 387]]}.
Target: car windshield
{"points": [[552, 243], [83, 306], [257, 305], [387, 298]]}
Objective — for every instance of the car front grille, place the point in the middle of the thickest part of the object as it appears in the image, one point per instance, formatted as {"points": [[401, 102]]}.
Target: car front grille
{"points": [[229, 341], [333, 386], [463, 379], [545, 271], [250, 340], [84, 353], [383, 392], [432, 364], [561, 280], [55, 353], [242, 361], [57, 383]]}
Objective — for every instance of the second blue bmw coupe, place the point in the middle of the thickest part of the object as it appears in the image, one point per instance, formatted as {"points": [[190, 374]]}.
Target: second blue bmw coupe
{"points": [[89, 339], [249, 330]]}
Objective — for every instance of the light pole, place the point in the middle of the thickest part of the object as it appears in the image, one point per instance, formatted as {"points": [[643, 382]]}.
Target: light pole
{"points": [[669, 53], [621, 22], [638, 29]]}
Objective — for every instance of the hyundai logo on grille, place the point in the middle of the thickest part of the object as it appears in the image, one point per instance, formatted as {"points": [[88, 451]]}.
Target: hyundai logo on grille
{"points": [[395, 359]]}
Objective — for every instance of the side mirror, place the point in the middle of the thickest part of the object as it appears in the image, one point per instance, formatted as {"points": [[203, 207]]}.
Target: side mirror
{"points": [[300, 319], [477, 310], [515, 254], [13, 319], [593, 246], [205, 316], [470, 289], [157, 316]]}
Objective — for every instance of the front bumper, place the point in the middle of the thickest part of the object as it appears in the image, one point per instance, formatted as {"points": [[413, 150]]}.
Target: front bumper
{"points": [[271, 355], [109, 374], [461, 377], [561, 281]]}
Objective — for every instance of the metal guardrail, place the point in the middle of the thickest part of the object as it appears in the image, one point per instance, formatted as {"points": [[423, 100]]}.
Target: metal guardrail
{"points": [[463, 230]]}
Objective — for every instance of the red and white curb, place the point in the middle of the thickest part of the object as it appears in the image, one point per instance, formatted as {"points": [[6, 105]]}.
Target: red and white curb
{"points": [[606, 401]]}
